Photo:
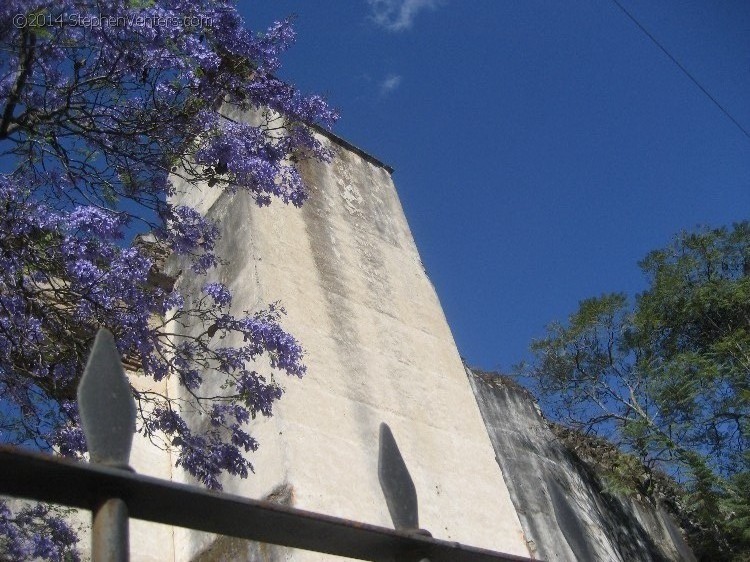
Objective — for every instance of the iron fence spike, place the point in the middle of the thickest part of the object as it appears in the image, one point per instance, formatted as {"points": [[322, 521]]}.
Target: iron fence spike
{"points": [[106, 405]]}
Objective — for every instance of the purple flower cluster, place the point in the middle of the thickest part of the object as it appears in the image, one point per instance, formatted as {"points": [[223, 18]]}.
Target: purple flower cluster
{"points": [[216, 450], [36, 532], [219, 292], [99, 124]]}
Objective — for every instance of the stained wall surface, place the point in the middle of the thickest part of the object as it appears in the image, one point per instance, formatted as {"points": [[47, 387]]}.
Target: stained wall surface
{"points": [[378, 349], [487, 469], [559, 499]]}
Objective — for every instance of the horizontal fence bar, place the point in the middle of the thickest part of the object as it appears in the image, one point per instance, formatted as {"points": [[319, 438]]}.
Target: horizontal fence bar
{"points": [[42, 477]]}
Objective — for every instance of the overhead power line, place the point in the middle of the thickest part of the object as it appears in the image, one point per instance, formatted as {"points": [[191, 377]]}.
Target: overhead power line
{"points": [[684, 70]]}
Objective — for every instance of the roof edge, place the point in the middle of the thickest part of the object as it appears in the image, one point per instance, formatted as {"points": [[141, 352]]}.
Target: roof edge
{"points": [[349, 146]]}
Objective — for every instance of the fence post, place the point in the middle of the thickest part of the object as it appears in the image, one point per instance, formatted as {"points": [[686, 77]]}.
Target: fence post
{"points": [[107, 409]]}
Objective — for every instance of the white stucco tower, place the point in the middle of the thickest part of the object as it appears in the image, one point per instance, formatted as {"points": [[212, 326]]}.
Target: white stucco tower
{"points": [[378, 349]]}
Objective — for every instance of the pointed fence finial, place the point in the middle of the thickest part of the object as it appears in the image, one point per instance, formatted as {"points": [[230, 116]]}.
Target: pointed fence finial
{"points": [[106, 405]]}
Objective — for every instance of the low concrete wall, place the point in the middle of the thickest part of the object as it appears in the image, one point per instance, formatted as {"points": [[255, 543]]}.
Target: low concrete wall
{"points": [[564, 512]]}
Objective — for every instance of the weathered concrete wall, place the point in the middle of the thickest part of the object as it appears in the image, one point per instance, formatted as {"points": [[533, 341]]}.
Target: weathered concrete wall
{"points": [[560, 501], [378, 349]]}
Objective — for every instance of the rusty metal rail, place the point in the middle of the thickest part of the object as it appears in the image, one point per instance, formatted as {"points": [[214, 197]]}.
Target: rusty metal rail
{"points": [[45, 478], [113, 492]]}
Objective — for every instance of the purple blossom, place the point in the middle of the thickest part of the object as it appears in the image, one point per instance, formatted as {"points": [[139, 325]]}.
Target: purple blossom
{"points": [[36, 532], [69, 440], [188, 232], [219, 293], [93, 120], [173, 300], [95, 221]]}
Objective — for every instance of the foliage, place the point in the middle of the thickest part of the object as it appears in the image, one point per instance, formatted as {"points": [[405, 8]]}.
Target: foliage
{"points": [[107, 108], [620, 473], [667, 378], [37, 532]]}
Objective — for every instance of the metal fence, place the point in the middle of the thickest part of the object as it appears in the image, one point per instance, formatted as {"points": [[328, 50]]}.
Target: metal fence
{"points": [[113, 492]]}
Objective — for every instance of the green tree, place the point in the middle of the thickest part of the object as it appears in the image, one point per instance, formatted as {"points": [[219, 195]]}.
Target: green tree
{"points": [[666, 377]]}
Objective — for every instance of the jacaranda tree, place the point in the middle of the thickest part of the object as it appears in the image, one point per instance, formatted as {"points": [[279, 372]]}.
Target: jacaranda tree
{"points": [[106, 106]]}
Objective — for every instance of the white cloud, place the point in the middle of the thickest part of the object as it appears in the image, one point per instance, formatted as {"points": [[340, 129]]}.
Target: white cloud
{"points": [[390, 83], [397, 15]]}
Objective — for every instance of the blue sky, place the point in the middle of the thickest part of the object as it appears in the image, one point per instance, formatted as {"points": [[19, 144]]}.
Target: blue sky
{"points": [[541, 148]]}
